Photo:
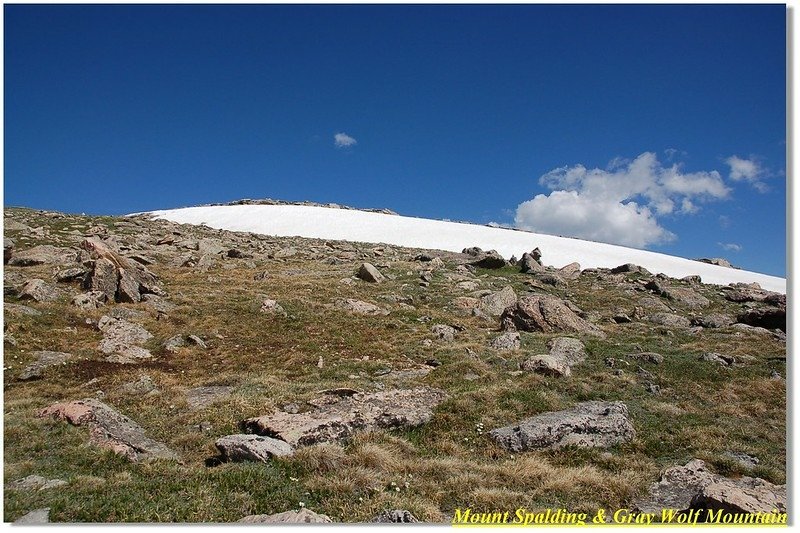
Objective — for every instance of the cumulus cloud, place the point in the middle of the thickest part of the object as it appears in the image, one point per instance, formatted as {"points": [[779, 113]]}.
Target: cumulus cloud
{"points": [[343, 140], [730, 246], [620, 204], [747, 170]]}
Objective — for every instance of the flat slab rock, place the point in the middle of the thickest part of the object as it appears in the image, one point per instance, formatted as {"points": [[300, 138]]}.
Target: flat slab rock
{"points": [[122, 339], [37, 516], [34, 482], [44, 360], [693, 486], [342, 416], [110, 429], [201, 397], [587, 425], [238, 448], [303, 516], [358, 307]]}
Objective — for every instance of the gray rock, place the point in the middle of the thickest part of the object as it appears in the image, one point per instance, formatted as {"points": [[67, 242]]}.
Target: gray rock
{"points": [[718, 358], [545, 313], [571, 350], [202, 397], [368, 272], [529, 264], [89, 300], [341, 417], [716, 261], [396, 516], [39, 291], [649, 357], [174, 343], [570, 271], [240, 448], [547, 365], [358, 307], [688, 297], [197, 341], [303, 516], [104, 278], [495, 303], [20, 310], [669, 320], [444, 332], [35, 482], [8, 250], [630, 268], [491, 260], [44, 360], [37, 516], [272, 307], [714, 320], [764, 317], [587, 425], [141, 387], [44, 255], [70, 274], [506, 341], [110, 429], [676, 489], [122, 339], [743, 459]]}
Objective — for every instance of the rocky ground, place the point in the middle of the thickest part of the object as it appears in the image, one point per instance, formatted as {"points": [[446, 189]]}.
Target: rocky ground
{"points": [[156, 372]]}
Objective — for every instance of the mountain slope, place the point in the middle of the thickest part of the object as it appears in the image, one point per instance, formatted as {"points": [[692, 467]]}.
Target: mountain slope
{"points": [[361, 226]]}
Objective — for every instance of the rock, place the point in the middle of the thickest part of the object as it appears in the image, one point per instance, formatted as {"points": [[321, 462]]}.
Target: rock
{"points": [[235, 253], [743, 459], [283, 253], [764, 317], [491, 260], [104, 278], [141, 387], [676, 489], [396, 516], [121, 340], [669, 320], [621, 318], [473, 251], [197, 341], [571, 350], [303, 516], [39, 291], [202, 397], [173, 343], [110, 429], [587, 425], [743, 495], [467, 285], [43, 255], [718, 358], [546, 365], [70, 274], [686, 296], [552, 280], [650, 357], [37, 516], [714, 320], [547, 314], [570, 271], [494, 304], [90, 300], [20, 310], [368, 272], [43, 361], [529, 264], [359, 307], [8, 250], [35, 483], [444, 332], [630, 268], [694, 487], [339, 419], [272, 307], [506, 341], [239, 448], [716, 261]]}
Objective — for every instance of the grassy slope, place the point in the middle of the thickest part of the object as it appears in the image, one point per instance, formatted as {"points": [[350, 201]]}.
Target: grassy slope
{"points": [[702, 411]]}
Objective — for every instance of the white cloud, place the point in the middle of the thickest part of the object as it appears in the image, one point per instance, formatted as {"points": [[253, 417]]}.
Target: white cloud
{"points": [[731, 246], [620, 204], [343, 140], [747, 170]]}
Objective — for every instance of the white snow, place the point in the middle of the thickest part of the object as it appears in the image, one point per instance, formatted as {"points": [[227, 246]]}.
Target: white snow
{"points": [[361, 226]]}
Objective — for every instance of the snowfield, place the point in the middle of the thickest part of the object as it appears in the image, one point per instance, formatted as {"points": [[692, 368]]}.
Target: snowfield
{"points": [[361, 226]]}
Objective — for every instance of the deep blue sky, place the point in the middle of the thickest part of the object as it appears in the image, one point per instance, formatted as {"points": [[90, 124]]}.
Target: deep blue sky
{"points": [[457, 110]]}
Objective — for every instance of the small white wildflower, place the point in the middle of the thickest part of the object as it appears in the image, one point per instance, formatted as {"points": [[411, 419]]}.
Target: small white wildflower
{"points": [[397, 489], [292, 479], [301, 504]]}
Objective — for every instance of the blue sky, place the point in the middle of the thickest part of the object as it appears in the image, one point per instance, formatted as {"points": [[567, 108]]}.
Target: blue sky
{"points": [[653, 126]]}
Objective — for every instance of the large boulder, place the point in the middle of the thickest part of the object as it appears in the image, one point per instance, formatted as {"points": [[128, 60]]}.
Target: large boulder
{"points": [[341, 414], [669, 320], [694, 487], [122, 340], [764, 317], [571, 350], [547, 365], [545, 313], [490, 259], [494, 304], [506, 341], [368, 272], [688, 297], [44, 255], [39, 290], [587, 425], [110, 429], [529, 263]]}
